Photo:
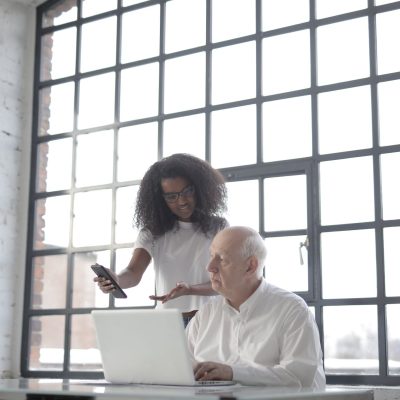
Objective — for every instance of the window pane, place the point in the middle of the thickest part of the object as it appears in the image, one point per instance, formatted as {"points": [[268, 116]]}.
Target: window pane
{"points": [[341, 200], [346, 256], [85, 292], [393, 328], [139, 92], [227, 127], [98, 44], [233, 73], [351, 340], [126, 3], [140, 34], [390, 167], [94, 167], [380, 2], [275, 13], [278, 130], [56, 109], [49, 282], [286, 62], [96, 102], [283, 266], [185, 83], [328, 8], [185, 32], [240, 193], [53, 169], [285, 203], [84, 354], [52, 222], [58, 54], [125, 231], [137, 150], [93, 7], [389, 117], [60, 13], [391, 242], [138, 296], [46, 338], [231, 19], [185, 135], [92, 218], [344, 120], [344, 45], [387, 34]]}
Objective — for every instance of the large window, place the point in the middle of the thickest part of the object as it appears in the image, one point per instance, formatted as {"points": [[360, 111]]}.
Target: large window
{"points": [[295, 101]]}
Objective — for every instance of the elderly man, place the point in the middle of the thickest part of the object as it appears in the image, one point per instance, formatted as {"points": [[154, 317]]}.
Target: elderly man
{"points": [[254, 333]]}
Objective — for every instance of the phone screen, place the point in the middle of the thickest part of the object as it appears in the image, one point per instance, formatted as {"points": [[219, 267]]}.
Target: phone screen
{"points": [[100, 271]]}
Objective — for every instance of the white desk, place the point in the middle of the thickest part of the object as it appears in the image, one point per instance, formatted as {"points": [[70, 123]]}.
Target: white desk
{"points": [[55, 389]]}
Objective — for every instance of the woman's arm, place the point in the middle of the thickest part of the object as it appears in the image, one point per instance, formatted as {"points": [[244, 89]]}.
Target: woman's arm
{"points": [[184, 289]]}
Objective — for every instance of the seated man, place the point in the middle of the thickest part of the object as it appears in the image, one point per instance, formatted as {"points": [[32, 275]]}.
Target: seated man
{"points": [[254, 333]]}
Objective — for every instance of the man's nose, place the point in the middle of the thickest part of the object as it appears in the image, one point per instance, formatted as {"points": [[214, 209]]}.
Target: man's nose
{"points": [[211, 266]]}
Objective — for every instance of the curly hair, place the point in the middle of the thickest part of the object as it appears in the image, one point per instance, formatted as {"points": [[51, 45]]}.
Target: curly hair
{"points": [[153, 213]]}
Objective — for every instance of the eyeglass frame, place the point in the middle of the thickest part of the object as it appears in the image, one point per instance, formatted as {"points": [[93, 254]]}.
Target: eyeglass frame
{"points": [[173, 197]]}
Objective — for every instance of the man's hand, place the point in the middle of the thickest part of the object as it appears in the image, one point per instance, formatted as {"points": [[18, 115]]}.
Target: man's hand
{"points": [[212, 371], [181, 289]]}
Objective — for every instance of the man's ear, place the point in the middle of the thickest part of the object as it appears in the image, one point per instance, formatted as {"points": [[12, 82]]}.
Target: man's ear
{"points": [[252, 265]]}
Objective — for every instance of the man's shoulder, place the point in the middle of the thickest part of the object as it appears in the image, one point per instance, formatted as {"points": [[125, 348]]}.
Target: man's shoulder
{"points": [[280, 296]]}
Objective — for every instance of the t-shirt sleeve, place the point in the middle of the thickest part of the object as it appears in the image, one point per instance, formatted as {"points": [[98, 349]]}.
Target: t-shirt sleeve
{"points": [[145, 240]]}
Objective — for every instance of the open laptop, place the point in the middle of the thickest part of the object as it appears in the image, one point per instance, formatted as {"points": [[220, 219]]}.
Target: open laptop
{"points": [[146, 347]]}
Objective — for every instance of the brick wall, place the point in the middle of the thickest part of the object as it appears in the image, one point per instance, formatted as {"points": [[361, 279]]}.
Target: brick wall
{"points": [[16, 77]]}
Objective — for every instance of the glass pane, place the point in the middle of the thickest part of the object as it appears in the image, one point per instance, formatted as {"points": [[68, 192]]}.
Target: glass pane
{"points": [[387, 34], [190, 31], [98, 44], [275, 13], [84, 354], [344, 120], [342, 51], [231, 19], [93, 7], [126, 3], [52, 222], [138, 296], [391, 240], [85, 292], [185, 135], [346, 256], [234, 73], [227, 127], [46, 338], [58, 54], [341, 200], [389, 117], [56, 109], [285, 203], [240, 193], [380, 2], [390, 167], [140, 34], [54, 165], [286, 62], [60, 13], [96, 101], [139, 92], [351, 340], [185, 81], [283, 266], [125, 230], [92, 218], [49, 282], [94, 167], [328, 8], [137, 150], [278, 130], [393, 328]]}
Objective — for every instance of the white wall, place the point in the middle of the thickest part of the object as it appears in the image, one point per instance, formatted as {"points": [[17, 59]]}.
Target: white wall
{"points": [[16, 77]]}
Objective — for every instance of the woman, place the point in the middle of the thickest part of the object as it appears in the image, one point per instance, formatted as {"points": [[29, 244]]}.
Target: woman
{"points": [[178, 209]]}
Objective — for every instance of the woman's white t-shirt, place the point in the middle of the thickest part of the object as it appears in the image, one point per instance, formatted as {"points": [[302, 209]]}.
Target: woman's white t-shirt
{"points": [[181, 254]]}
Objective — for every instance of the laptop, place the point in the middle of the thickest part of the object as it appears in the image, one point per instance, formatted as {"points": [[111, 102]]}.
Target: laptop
{"points": [[145, 347]]}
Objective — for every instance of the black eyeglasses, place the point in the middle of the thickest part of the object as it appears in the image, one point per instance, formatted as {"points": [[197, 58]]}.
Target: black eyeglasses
{"points": [[172, 197]]}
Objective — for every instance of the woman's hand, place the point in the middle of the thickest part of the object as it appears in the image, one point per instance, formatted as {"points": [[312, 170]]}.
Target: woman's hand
{"points": [[181, 289], [104, 284]]}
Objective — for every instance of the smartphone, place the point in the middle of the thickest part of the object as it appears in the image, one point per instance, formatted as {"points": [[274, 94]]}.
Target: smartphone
{"points": [[100, 271]]}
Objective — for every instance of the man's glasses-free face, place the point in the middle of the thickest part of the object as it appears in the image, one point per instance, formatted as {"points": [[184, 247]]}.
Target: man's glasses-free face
{"points": [[172, 197]]}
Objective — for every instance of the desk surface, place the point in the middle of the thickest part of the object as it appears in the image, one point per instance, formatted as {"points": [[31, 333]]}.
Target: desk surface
{"points": [[52, 389]]}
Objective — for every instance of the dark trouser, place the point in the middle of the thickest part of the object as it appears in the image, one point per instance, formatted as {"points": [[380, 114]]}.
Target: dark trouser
{"points": [[187, 316]]}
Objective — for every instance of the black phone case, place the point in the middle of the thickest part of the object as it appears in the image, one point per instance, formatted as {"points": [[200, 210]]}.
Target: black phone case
{"points": [[100, 271]]}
